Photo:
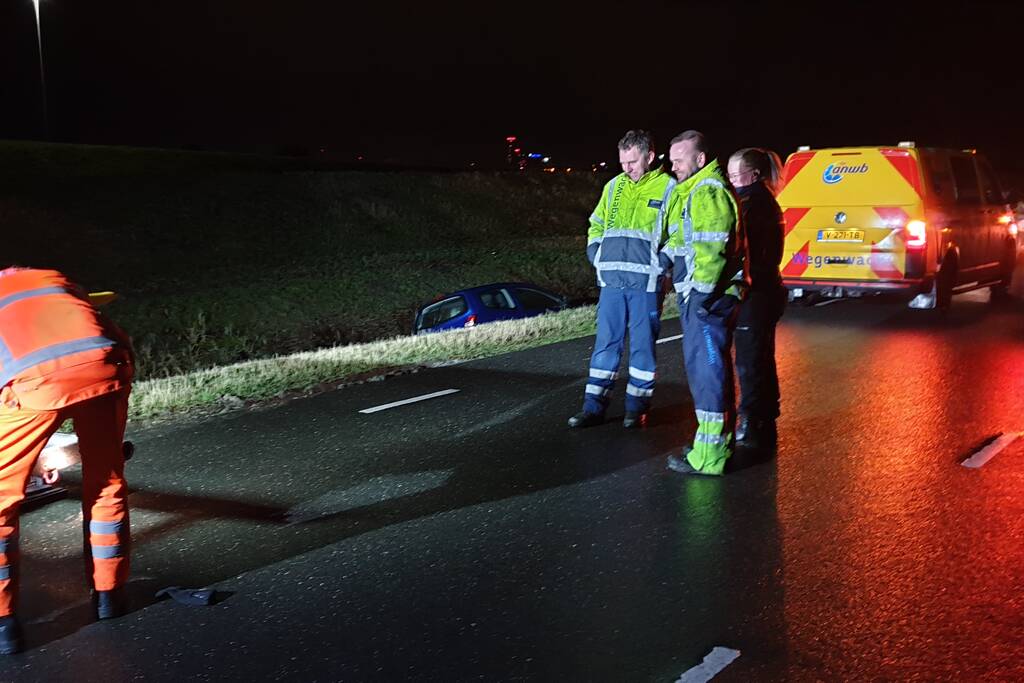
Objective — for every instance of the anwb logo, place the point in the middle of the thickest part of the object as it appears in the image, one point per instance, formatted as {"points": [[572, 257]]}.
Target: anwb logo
{"points": [[835, 172]]}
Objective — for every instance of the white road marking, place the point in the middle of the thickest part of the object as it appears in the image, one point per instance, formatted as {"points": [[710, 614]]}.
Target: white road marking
{"points": [[990, 451], [717, 659], [668, 339], [827, 302], [377, 409]]}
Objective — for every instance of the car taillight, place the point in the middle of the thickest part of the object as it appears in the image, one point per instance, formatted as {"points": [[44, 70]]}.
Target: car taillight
{"points": [[917, 234], [471, 320]]}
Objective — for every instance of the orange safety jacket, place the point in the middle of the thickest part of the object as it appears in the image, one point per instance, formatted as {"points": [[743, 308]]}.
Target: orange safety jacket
{"points": [[56, 349]]}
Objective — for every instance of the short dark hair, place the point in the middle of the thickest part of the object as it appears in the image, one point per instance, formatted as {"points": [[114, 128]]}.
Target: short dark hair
{"points": [[641, 139], [700, 142]]}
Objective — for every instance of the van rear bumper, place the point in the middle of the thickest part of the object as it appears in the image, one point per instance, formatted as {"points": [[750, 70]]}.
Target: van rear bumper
{"points": [[907, 286]]}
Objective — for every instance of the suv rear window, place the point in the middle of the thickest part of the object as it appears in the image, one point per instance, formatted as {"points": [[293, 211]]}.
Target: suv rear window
{"points": [[443, 311]]}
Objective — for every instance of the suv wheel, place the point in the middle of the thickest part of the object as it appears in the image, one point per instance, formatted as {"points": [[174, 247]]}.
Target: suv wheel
{"points": [[945, 280], [1009, 264]]}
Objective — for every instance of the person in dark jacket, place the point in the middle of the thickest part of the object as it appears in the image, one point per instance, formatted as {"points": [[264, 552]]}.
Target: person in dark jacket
{"points": [[755, 173]]}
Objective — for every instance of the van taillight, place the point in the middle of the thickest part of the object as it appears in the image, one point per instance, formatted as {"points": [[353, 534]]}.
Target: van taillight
{"points": [[917, 234], [1011, 225]]}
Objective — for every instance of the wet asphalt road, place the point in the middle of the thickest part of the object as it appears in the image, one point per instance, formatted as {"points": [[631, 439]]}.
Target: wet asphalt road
{"points": [[474, 537]]}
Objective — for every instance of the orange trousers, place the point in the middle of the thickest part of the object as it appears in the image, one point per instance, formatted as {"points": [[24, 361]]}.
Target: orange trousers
{"points": [[100, 424]]}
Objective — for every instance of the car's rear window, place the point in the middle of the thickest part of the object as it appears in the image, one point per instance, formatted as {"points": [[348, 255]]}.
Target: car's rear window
{"points": [[531, 298], [443, 311]]}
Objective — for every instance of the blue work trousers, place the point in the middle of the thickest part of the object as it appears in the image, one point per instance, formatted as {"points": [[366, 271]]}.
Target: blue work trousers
{"points": [[619, 311]]}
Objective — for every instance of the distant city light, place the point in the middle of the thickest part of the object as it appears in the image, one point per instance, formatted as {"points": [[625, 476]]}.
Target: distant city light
{"points": [[603, 164], [534, 155], [661, 156], [510, 139], [546, 159]]}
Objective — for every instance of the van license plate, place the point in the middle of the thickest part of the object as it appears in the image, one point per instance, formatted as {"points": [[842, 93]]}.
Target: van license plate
{"points": [[840, 235]]}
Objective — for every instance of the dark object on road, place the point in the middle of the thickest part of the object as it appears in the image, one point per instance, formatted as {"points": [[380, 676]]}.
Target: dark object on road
{"points": [[485, 304], [193, 597]]}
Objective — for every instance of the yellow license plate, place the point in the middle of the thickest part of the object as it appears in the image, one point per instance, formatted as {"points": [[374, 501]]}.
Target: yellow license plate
{"points": [[840, 235]]}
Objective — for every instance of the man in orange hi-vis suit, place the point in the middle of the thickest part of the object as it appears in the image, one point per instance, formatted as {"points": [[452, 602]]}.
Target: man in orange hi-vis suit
{"points": [[61, 358]]}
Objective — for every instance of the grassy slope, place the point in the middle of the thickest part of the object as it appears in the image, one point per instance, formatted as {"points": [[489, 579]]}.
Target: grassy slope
{"points": [[222, 258]]}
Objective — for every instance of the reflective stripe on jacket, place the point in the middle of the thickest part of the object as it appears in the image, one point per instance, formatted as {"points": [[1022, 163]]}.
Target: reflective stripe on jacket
{"points": [[627, 230], [55, 348], [705, 243]]}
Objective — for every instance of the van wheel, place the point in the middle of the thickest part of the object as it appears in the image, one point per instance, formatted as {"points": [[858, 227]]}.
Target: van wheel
{"points": [[945, 280]]}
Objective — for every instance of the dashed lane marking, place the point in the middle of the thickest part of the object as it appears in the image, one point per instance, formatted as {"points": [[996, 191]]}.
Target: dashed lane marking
{"points": [[717, 659], [424, 397], [668, 339], [990, 451]]}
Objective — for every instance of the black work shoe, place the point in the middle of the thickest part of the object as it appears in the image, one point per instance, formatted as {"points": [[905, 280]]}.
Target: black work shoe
{"points": [[110, 604], [10, 635], [634, 420], [584, 419], [680, 464], [758, 434], [742, 427]]}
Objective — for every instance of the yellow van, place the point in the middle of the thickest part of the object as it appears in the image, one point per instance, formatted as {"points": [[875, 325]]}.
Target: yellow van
{"points": [[928, 223]]}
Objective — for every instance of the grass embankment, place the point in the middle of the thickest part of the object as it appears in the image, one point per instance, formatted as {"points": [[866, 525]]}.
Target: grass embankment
{"points": [[233, 385], [221, 259]]}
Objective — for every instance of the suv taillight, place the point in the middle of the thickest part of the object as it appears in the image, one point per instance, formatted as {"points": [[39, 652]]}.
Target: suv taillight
{"points": [[917, 233]]}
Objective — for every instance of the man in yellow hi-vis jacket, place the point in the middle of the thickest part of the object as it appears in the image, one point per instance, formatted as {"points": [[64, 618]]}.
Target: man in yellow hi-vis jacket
{"points": [[706, 252], [627, 231]]}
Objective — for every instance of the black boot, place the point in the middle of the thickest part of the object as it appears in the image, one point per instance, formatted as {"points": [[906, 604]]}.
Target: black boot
{"points": [[584, 419], [758, 434], [110, 604], [742, 426], [634, 420], [10, 635]]}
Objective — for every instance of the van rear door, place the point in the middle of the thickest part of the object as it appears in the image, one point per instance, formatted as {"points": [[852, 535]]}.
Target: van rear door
{"points": [[851, 214]]}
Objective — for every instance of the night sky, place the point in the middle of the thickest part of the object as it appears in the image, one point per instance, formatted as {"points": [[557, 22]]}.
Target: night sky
{"points": [[444, 83]]}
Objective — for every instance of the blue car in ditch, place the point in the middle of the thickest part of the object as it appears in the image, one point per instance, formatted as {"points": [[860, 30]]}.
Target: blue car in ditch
{"points": [[485, 304]]}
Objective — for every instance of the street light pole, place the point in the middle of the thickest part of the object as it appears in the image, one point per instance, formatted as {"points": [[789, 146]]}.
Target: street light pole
{"points": [[42, 72]]}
